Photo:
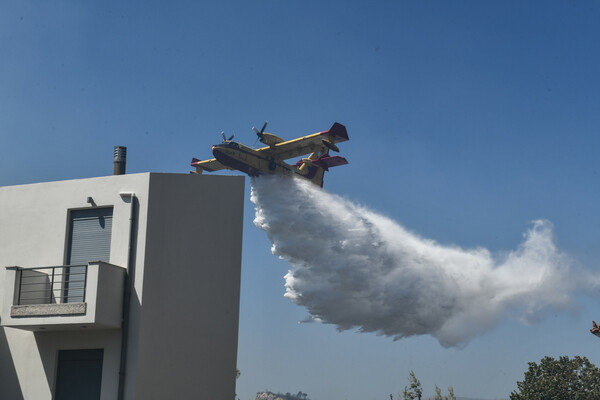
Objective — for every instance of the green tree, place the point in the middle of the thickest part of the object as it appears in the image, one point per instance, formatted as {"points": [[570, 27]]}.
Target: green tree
{"points": [[562, 379], [438, 393], [414, 391]]}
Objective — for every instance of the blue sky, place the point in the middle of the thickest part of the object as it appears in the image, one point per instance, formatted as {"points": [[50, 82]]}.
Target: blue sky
{"points": [[467, 120]]}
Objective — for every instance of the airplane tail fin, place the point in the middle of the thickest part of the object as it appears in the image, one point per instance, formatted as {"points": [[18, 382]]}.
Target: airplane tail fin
{"points": [[338, 131], [313, 168]]}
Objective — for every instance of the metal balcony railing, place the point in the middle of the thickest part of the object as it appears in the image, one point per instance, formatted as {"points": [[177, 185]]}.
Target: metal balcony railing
{"points": [[51, 285]]}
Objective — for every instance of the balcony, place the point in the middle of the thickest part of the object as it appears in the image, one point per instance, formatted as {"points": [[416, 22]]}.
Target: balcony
{"points": [[64, 297]]}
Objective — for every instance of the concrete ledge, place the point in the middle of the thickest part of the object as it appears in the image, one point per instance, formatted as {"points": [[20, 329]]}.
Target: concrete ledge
{"points": [[48, 310]]}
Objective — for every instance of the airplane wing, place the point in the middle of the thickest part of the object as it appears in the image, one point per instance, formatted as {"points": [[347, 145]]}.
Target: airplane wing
{"points": [[325, 161], [328, 161], [306, 144], [208, 165]]}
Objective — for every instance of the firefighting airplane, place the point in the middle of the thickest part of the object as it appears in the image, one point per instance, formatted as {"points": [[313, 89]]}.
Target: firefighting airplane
{"points": [[270, 160]]}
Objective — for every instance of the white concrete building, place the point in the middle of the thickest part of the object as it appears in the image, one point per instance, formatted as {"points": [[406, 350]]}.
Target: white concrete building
{"points": [[120, 287]]}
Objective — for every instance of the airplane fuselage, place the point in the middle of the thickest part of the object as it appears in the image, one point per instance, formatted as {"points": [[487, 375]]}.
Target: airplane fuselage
{"points": [[246, 159]]}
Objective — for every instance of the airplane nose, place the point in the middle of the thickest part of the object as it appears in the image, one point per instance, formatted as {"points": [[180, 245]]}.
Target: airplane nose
{"points": [[220, 154]]}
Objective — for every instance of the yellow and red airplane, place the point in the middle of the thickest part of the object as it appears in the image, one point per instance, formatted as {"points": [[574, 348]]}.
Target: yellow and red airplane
{"points": [[270, 160]]}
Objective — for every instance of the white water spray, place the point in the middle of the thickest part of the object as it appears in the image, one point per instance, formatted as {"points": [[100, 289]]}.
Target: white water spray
{"points": [[357, 269]]}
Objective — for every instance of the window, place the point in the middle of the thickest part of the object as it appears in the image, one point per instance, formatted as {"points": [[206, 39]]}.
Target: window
{"points": [[89, 240]]}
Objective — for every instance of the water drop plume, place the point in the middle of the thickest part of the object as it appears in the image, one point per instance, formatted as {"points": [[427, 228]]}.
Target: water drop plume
{"points": [[357, 269]]}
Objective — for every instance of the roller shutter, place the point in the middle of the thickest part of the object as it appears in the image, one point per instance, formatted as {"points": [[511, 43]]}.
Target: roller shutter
{"points": [[90, 232]]}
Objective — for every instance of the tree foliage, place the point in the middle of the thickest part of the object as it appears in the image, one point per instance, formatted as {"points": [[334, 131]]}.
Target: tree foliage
{"points": [[414, 391], [438, 393], [562, 379], [280, 396]]}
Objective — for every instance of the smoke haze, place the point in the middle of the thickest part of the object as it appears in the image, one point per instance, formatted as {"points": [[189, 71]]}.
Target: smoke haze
{"points": [[356, 269]]}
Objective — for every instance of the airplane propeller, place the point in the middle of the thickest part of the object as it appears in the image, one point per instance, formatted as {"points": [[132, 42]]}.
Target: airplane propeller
{"points": [[224, 138], [260, 134]]}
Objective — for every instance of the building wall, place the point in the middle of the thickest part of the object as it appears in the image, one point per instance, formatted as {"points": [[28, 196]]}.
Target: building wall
{"points": [[198, 274], [174, 294], [33, 233]]}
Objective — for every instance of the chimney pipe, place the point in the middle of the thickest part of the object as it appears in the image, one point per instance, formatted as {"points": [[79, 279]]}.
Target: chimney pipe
{"points": [[120, 160]]}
